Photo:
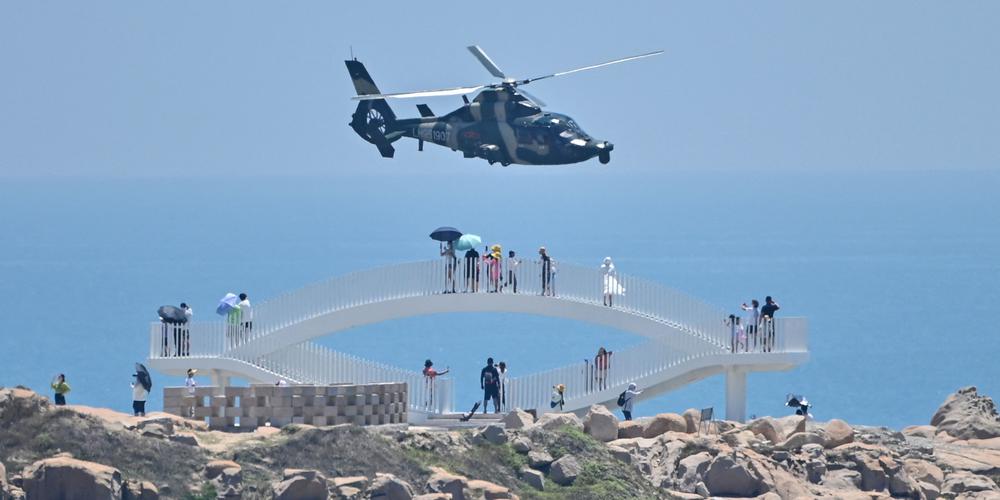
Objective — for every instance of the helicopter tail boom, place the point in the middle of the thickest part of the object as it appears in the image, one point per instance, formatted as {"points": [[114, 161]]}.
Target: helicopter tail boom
{"points": [[373, 119]]}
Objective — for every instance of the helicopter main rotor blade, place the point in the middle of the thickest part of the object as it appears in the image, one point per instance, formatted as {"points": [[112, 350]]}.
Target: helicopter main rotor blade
{"points": [[486, 61], [531, 97], [595, 66], [419, 93]]}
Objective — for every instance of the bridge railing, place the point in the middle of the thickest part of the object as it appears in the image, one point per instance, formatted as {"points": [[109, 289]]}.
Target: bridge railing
{"points": [[623, 367], [312, 363], [565, 281]]}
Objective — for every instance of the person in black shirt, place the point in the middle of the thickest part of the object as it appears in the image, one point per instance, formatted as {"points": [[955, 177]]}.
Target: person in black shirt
{"points": [[767, 317], [472, 271], [546, 271], [489, 381]]}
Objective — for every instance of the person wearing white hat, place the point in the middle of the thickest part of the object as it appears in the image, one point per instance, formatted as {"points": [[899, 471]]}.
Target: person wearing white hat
{"points": [[191, 385]]}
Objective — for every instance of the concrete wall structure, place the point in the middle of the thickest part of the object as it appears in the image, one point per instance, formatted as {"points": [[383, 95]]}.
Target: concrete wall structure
{"points": [[257, 405]]}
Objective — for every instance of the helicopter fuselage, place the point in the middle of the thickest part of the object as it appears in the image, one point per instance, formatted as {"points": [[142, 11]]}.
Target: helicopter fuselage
{"points": [[502, 126]]}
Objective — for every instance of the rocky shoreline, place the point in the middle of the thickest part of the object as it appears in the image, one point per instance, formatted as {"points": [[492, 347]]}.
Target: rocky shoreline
{"points": [[78, 452]]}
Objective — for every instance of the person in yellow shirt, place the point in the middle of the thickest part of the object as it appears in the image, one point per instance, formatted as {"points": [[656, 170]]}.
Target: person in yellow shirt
{"points": [[61, 387]]}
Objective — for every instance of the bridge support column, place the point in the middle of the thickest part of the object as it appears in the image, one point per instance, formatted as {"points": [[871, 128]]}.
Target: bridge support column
{"points": [[736, 394], [220, 380]]}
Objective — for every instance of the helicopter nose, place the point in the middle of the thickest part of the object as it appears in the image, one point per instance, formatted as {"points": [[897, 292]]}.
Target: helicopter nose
{"points": [[603, 146]]}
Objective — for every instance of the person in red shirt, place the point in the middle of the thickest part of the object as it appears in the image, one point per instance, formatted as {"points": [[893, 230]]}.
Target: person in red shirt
{"points": [[429, 375]]}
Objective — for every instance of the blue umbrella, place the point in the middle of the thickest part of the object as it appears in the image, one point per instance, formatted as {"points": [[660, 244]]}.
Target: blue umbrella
{"points": [[468, 241], [446, 233], [227, 303]]}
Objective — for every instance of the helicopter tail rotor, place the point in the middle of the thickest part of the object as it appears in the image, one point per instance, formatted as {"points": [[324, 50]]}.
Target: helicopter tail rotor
{"points": [[373, 119]]}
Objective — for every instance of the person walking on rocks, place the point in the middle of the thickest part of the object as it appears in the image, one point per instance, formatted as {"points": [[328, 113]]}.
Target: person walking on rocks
{"points": [[429, 375], [489, 381], [61, 388], [630, 394], [139, 395]]}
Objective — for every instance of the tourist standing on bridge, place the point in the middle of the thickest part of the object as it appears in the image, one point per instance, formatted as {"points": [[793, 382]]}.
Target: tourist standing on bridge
{"points": [[472, 270], [767, 316], [450, 262], [184, 342], [494, 261], [751, 320], [630, 394], [489, 381], [602, 363], [246, 315], [512, 264], [61, 388], [429, 375], [546, 271], [611, 285]]}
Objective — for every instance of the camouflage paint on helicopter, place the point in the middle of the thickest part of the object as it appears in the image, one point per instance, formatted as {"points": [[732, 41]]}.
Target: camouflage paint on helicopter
{"points": [[501, 125]]}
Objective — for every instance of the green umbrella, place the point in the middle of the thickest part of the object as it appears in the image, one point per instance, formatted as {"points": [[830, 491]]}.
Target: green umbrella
{"points": [[468, 242]]}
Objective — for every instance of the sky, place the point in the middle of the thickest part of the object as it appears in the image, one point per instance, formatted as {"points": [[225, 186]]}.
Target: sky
{"points": [[214, 89]]}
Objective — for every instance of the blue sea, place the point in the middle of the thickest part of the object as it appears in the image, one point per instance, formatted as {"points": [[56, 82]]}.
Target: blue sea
{"points": [[898, 272]]}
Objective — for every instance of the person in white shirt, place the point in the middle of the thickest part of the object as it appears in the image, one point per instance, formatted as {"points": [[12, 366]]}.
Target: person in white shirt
{"points": [[512, 264], [139, 395], [191, 385], [504, 378], [246, 315], [751, 319]]}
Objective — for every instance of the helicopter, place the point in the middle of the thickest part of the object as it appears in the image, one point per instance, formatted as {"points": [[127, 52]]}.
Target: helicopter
{"points": [[502, 124]]}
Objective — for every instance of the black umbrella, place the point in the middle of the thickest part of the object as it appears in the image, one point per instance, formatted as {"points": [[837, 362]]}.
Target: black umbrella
{"points": [[446, 233], [143, 375], [171, 314]]}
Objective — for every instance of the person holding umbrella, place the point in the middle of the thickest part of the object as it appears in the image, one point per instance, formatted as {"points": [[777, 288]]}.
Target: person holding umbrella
{"points": [[140, 390], [229, 307], [447, 236], [171, 317], [61, 387]]}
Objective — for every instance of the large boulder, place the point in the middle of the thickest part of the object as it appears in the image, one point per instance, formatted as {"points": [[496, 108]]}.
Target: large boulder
{"points": [[789, 425], [140, 490], [565, 470], [227, 476], [534, 478], [389, 487], [17, 403], [493, 433], [691, 469], [442, 481], [693, 419], [554, 421], [517, 419], [539, 459], [842, 479], [601, 424], [837, 432], [67, 478], [967, 415], [959, 482], [663, 423], [873, 477], [797, 440], [767, 428], [489, 491], [727, 476], [928, 476], [301, 484], [630, 429]]}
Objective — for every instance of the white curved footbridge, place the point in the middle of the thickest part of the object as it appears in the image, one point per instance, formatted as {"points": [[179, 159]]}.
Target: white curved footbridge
{"points": [[688, 340]]}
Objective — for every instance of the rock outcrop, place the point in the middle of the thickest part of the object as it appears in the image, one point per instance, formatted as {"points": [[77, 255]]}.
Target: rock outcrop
{"points": [[517, 419], [301, 484], [565, 470], [71, 479], [601, 424], [554, 421], [664, 422], [967, 415]]}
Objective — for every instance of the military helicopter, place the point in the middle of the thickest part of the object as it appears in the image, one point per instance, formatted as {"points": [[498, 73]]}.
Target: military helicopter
{"points": [[503, 124]]}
